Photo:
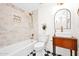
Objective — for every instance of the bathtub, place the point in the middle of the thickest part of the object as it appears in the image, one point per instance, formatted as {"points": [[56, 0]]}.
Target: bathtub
{"points": [[22, 48]]}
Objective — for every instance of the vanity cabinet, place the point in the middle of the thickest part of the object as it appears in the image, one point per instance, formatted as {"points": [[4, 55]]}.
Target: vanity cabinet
{"points": [[65, 42]]}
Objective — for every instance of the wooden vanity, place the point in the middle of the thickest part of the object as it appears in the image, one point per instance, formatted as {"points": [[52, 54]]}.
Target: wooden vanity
{"points": [[65, 42]]}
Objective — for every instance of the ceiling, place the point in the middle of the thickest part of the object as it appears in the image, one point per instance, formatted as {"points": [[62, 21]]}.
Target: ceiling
{"points": [[27, 6]]}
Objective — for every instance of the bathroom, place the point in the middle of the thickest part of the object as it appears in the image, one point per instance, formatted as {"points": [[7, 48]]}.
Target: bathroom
{"points": [[21, 24]]}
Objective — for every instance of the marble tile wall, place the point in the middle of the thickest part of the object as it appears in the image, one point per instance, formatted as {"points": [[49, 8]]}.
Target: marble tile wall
{"points": [[14, 25]]}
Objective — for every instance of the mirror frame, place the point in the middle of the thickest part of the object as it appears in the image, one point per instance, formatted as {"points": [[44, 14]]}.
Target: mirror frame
{"points": [[55, 15]]}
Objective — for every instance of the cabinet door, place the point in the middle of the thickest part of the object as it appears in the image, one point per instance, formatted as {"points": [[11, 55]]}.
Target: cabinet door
{"points": [[58, 42], [68, 44]]}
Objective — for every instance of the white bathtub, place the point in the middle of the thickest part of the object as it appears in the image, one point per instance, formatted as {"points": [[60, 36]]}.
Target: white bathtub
{"points": [[19, 49]]}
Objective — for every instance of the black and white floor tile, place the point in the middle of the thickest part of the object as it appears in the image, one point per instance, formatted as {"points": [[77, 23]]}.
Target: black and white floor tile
{"points": [[47, 53]]}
